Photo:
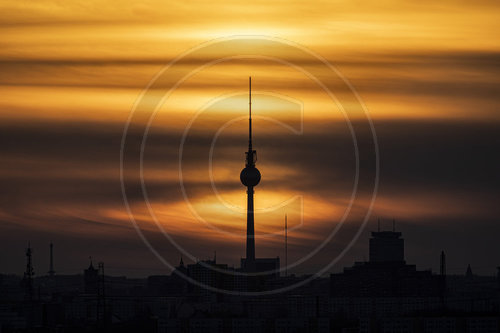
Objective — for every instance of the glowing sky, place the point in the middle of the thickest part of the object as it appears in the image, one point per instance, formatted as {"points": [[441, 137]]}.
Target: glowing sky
{"points": [[70, 73]]}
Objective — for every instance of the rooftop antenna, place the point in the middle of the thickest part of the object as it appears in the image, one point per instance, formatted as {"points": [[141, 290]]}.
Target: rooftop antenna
{"points": [[286, 245], [393, 225], [51, 266], [378, 222], [28, 275]]}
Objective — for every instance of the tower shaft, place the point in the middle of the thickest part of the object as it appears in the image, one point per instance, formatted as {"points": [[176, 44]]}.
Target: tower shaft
{"points": [[250, 228]]}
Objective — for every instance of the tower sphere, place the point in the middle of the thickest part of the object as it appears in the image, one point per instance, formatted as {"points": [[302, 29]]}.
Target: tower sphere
{"points": [[250, 176]]}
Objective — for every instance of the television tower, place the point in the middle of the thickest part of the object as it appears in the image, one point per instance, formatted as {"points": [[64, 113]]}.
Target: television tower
{"points": [[250, 177]]}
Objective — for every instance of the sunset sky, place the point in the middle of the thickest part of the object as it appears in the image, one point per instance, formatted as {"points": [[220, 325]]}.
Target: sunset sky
{"points": [[71, 73]]}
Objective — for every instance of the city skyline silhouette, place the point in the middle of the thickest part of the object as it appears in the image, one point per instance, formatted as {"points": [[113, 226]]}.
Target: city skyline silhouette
{"points": [[328, 166]]}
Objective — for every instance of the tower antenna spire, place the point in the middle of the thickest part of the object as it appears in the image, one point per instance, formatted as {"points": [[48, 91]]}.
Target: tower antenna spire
{"points": [[249, 113]]}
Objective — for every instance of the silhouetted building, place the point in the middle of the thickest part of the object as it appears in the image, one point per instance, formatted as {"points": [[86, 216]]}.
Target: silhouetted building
{"points": [[386, 274], [386, 246], [271, 265], [91, 279], [468, 273], [211, 274], [498, 278]]}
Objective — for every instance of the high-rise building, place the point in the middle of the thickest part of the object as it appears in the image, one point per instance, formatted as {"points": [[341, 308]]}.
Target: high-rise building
{"points": [[386, 274], [387, 246]]}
